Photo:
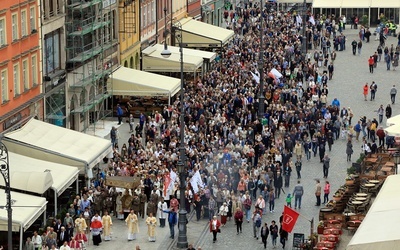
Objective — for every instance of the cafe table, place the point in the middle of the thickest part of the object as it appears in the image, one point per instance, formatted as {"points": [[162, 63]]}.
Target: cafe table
{"points": [[360, 198], [386, 169], [369, 185], [361, 194], [356, 204], [374, 181]]}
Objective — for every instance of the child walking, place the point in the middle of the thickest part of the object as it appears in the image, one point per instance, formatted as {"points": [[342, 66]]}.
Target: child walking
{"points": [[289, 200]]}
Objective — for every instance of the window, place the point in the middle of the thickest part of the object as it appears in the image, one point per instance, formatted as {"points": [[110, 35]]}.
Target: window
{"points": [[144, 16], [4, 86], [14, 24], [153, 16], [32, 18], [34, 70], [25, 74], [24, 26], [17, 87], [3, 40], [52, 52], [148, 14]]}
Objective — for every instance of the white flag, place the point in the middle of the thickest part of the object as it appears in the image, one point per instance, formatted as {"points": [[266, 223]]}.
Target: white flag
{"points": [[255, 77], [299, 20], [311, 20], [172, 176], [196, 182]]}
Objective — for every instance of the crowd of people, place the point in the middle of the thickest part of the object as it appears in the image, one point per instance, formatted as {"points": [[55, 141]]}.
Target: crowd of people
{"points": [[244, 157]]}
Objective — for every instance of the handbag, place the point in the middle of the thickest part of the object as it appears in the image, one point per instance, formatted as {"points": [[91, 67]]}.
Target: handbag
{"points": [[218, 230]]}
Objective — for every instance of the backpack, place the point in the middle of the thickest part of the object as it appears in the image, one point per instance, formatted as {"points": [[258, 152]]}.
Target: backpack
{"points": [[258, 222]]}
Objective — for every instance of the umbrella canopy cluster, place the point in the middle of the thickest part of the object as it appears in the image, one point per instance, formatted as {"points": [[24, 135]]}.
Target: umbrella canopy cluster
{"points": [[393, 124]]}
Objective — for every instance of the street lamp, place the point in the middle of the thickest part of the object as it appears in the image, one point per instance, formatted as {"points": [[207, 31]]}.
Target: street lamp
{"points": [[396, 158], [261, 97], [5, 172], [182, 238], [304, 39]]}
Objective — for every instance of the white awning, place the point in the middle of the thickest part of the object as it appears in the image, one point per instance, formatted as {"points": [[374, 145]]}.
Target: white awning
{"points": [[379, 229], [153, 60], [33, 175], [25, 210], [394, 120], [52, 143], [357, 4], [200, 34], [393, 130], [328, 3], [132, 82], [385, 4]]}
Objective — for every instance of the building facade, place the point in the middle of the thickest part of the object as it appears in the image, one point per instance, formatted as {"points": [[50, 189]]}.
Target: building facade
{"points": [[129, 33], [148, 24], [53, 63], [21, 95], [91, 54], [194, 9]]}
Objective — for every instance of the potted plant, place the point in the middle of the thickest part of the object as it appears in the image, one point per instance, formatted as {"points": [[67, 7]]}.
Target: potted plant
{"points": [[320, 227]]}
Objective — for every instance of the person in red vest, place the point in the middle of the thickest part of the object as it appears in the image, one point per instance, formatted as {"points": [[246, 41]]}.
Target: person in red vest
{"points": [[215, 224], [371, 63]]}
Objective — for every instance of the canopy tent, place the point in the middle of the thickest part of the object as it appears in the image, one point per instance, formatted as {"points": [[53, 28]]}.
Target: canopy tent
{"points": [[153, 60], [385, 4], [132, 82], [394, 120], [200, 34], [24, 169], [379, 229], [327, 3], [393, 130], [44, 141], [356, 4], [26, 209]]}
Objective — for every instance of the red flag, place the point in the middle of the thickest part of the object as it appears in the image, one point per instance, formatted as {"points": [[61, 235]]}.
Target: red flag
{"points": [[289, 219]]}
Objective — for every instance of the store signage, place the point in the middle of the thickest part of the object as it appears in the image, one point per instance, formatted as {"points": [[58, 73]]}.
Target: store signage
{"points": [[8, 123]]}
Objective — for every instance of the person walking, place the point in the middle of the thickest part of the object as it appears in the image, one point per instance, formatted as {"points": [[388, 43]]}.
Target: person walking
{"points": [[264, 232], [278, 183], [354, 46], [283, 236], [325, 162], [359, 46], [223, 212], [298, 193], [212, 207], [151, 223], [273, 229], [271, 200], [388, 111], [298, 167], [349, 149], [107, 224], [247, 206], [238, 220], [327, 190], [256, 218], [318, 193], [371, 63], [365, 91], [388, 61], [120, 113], [373, 89], [162, 205], [380, 112], [215, 225], [96, 227], [132, 223], [172, 220], [393, 92]]}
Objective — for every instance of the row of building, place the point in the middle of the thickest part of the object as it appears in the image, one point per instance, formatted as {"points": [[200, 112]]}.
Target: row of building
{"points": [[56, 55]]}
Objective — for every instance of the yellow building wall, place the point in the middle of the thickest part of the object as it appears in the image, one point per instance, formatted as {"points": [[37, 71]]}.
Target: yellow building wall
{"points": [[129, 31]]}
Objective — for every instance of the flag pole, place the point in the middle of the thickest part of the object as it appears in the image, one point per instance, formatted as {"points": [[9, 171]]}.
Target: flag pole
{"points": [[311, 223]]}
